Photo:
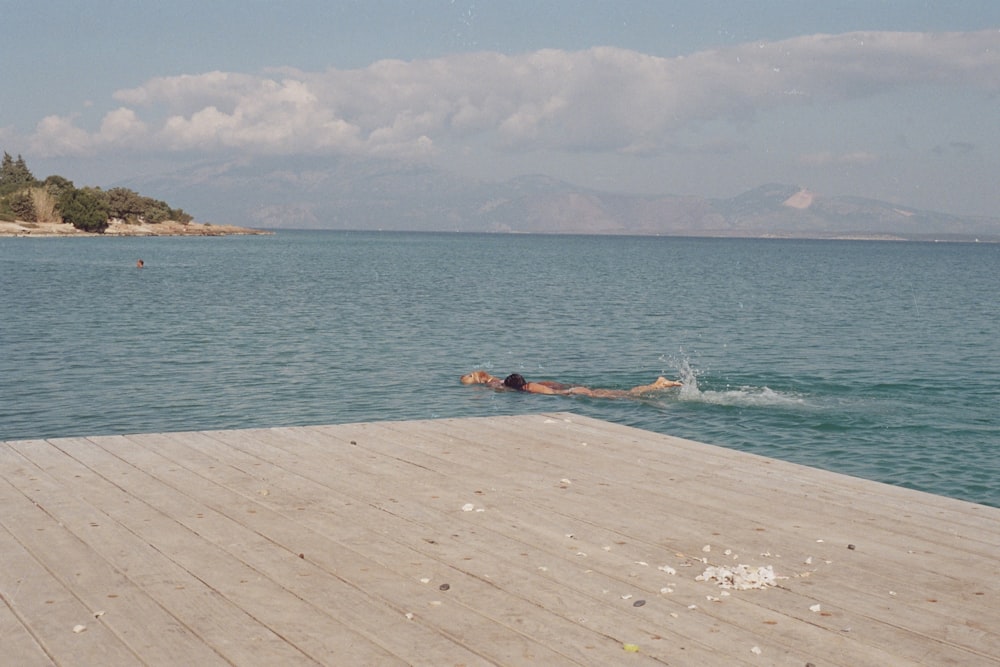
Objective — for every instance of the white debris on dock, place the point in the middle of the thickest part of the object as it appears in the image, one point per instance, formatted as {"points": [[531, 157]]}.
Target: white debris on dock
{"points": [[741, 577]]}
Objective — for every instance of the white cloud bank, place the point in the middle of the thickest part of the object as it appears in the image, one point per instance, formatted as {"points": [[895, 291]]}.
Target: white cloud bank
{"points": [[601, 99]]}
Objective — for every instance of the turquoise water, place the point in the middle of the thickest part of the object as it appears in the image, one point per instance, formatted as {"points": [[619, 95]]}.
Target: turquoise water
{"points": [[880, 360]]}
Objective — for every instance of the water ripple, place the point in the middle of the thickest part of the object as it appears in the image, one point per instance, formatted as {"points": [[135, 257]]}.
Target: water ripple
{"points": [[877, 360]]}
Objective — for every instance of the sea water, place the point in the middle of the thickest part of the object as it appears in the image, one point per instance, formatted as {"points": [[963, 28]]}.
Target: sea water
{"points": [[876, 359]]}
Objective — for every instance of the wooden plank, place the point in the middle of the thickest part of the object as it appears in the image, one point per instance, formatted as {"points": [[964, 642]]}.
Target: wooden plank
{"points": [[18, 644], [938, 569], [450, 620], [369, 588], [141, 618], [268, 622], [570, 519], [712, 497], [532, 584], [614, 571], [664, 458], [759, 473], [473, 556], [922, 615], [34, 548]]}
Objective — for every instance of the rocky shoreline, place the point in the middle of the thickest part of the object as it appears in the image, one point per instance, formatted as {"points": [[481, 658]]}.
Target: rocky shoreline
{"points": [[121, 228]]}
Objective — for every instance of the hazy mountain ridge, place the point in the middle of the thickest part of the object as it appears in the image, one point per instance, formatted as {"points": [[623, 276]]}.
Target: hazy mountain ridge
{"points": [[373, 194]]}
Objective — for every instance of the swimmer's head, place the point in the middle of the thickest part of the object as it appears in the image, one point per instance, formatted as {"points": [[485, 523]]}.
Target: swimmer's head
{"points": [[515, 381], [479, 377]]}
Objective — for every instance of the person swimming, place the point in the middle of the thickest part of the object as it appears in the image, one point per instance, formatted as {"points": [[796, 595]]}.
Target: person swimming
{"points": [[482, 377], [517, 382], [140, 264]]}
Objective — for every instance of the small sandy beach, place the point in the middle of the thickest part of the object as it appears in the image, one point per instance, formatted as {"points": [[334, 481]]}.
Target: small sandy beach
{"points": [[119, 228]]}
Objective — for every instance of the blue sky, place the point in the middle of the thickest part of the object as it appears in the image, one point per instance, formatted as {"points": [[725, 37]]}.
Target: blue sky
{"points": [[894, 99]]}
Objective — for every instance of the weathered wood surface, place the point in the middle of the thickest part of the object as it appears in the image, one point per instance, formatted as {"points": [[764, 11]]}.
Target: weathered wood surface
{"points": [[529, 540]]}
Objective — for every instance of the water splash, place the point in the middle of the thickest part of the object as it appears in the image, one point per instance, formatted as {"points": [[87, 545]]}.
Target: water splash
{"points": [[689, 376], [757, 397], [742, 396]]}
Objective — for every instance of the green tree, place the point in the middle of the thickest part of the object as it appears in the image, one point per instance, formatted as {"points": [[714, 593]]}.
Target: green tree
{"points": [[129, 205], [14, 174], [22, 204], [22, 197], [155, 210], [125, 204], [56, 185], [85, 209], [180, 215], [22, 172]]}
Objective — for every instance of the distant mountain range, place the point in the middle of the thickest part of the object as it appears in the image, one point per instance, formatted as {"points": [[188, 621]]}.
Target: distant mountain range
{"points": [[370, 194]]}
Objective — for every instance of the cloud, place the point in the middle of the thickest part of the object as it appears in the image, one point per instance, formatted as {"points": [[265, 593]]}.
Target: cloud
{"points": [[121, 126], [600, 99], [58, 135]]}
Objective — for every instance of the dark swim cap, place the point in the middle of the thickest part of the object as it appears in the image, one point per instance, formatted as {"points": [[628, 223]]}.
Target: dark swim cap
{"points": [[515, 381]]}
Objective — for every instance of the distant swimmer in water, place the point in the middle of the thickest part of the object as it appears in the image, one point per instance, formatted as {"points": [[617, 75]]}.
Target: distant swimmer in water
{"points": [[140, 264], [517, 382]]}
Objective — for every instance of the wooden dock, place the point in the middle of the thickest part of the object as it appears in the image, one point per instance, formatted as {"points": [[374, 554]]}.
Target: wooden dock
{"points": [[546, 539]]}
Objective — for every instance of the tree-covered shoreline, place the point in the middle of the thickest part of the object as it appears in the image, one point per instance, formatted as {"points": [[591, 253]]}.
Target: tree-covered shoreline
{"points": [[89, 209]]}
